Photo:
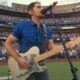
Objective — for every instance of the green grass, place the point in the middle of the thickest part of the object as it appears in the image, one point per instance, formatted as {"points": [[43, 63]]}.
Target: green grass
{"points": [[3, 70], [57, 70], [61, 71]]}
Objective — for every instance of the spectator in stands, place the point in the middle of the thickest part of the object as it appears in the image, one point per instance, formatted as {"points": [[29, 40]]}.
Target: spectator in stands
{"points": [[78, 49], [0, 50]]}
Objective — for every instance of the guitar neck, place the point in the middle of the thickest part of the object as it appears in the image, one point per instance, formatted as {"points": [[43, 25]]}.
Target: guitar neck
{"points": [[56, 50], [48, 54]]}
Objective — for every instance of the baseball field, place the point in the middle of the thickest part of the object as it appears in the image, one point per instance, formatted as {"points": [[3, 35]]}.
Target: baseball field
{"points": [[58, 70]]}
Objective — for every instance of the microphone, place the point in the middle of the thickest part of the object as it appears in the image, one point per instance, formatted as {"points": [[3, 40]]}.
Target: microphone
{"points": [[48, 8]]}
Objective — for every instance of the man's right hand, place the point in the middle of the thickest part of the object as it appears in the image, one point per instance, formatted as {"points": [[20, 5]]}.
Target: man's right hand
{"points": [[23, 62]]}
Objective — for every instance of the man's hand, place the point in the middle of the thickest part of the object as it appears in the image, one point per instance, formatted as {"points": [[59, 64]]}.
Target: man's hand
{"points": [[23, 62]]}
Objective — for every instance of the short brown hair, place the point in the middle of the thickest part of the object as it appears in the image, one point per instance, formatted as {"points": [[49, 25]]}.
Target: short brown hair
{"points": [[31, 5]]}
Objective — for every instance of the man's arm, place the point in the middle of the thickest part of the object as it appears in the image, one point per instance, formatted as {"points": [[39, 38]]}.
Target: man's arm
{"points": [[12, 52], [8, 45]]}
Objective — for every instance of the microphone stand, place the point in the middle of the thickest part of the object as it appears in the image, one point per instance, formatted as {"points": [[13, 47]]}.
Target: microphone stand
{"points": [[73, 69]]}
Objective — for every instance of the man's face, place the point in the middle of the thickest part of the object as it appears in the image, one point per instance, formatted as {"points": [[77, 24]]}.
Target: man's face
{"points": [[36, 11]]}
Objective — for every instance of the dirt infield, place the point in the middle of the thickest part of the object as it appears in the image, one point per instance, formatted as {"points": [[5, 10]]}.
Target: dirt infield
{"points": [[3, 62], [49, 60]]}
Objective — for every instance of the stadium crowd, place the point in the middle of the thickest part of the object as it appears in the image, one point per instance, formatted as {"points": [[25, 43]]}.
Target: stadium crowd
{"points": [[75, 9], [10, 19], [69, 20], [12, 9]]}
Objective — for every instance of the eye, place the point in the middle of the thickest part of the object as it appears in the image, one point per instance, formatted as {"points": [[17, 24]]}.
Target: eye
{"points": [[38, 6]]}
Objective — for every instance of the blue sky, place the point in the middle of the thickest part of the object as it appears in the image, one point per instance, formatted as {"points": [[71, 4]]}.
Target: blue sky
{"points": [[43, 2]]}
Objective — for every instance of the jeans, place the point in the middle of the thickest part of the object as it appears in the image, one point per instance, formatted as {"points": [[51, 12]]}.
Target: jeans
{"points": [[39, 76]]}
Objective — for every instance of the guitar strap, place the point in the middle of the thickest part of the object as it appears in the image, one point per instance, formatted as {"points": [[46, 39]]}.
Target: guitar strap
{"points": [[44, 39]]}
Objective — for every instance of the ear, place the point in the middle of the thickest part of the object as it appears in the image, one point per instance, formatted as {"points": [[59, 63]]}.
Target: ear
{"points": [[30, 12]]}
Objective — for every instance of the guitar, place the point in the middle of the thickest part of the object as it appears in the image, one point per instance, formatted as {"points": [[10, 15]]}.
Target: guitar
{"points": [[32, 55]]}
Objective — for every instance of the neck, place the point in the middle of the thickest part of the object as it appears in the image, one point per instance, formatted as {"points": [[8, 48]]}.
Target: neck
{"points": [[36, 20]]}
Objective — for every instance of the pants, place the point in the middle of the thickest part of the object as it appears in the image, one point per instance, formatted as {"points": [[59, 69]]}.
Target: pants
{"points": [[39, 76]]}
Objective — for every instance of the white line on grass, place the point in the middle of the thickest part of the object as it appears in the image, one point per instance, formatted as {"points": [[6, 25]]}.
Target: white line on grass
{"points": [[5, 78]]}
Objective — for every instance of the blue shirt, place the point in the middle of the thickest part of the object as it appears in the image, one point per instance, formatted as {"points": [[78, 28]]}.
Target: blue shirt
{"points": [[29, 35]]}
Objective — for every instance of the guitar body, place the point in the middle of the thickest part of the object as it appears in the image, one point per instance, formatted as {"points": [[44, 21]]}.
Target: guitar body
{"points": [[19, 73]]}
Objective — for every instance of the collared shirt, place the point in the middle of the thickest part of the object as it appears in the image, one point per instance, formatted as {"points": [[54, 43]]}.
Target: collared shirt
{"points": [[29, 35]]}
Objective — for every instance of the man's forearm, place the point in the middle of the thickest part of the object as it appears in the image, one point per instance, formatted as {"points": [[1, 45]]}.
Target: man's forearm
{"points": [[11, 51]]}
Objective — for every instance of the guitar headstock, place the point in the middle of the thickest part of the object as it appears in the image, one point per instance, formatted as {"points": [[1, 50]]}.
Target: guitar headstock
{"points": [[73, 43], [77, 40]]}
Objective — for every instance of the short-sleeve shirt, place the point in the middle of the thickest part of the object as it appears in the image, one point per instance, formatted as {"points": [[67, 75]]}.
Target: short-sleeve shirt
{"points": [[29, 35]]}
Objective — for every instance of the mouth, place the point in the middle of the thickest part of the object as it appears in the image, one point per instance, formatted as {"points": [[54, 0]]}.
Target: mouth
{"points": [[42, 16]]}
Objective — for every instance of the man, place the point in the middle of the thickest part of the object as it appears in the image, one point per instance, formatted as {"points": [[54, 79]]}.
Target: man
{"points": [[28, 33]]}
